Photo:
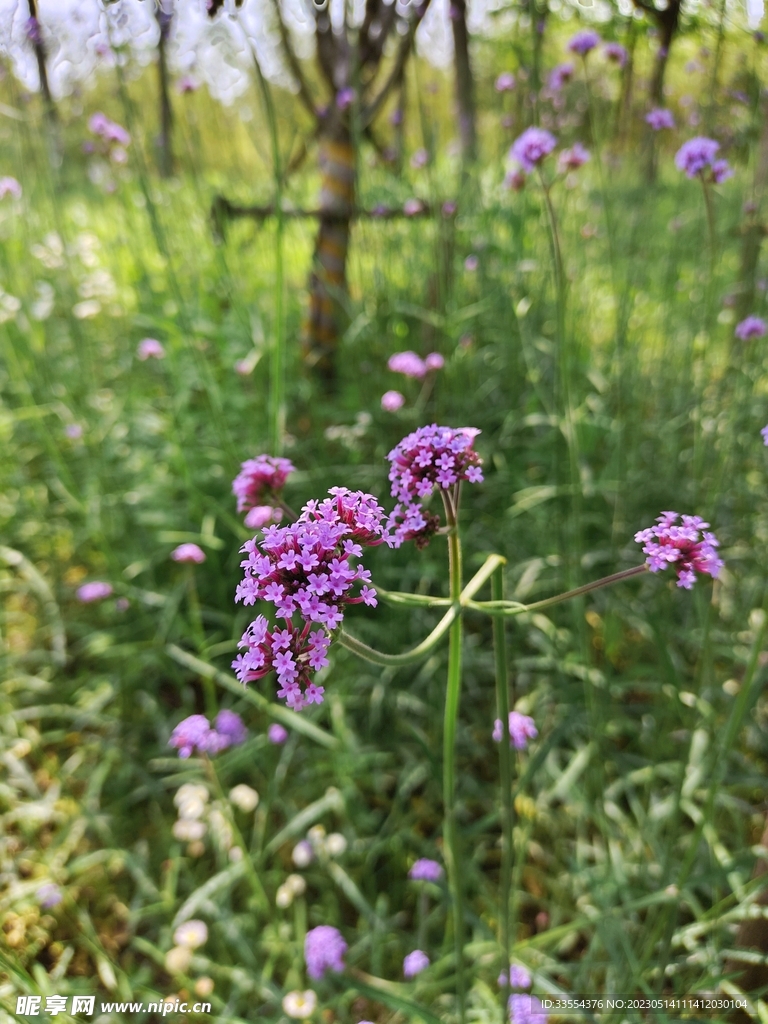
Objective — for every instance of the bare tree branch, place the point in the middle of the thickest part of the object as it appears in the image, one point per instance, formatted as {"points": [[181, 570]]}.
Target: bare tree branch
{"points": [[396, 70], [293, 62]]}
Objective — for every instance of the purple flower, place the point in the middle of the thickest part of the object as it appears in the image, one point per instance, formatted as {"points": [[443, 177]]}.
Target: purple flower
{"points": [[689, 548], [110, 131], [764, 433], [420, 159], [434, 361], [73, 431], [616, 52], [521, 729], [525, 1009], [412, 207], [696, 154], [345, 98], [230, 725], [277, 733], [49, 895], [407, 363], [391, 401], [752, 327], [471, 263], [583, 42], [433, 456], [261, 515], [258, 477], [10, 187], [188, 553], [559, 75], [514, 180], [505, 82], [721, 171], [415, 963], [531, 147], [32, 31], [190, 733], [324, 948], [150, 348], [659, 118], [573, 158], [187, 84], [518, 977], [426, 870], [448, 208], [95, 591]]}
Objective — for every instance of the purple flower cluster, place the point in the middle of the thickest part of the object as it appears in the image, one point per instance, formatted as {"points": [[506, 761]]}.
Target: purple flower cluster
{"points": [[583, 42], [524, 1009], [110, 131], [305, 567], [659, 118], [749, 328], [521, 729], [688, 547], [573, 158], [559, 75], [616, 52], [530, 148], [411, 365], [196, 732], [258, 477], [518, 977], [95, 591], [10, 187], [695, 155], [415, 963], [324, 948]]}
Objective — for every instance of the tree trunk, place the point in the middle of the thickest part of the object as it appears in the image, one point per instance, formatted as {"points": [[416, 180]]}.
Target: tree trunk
{"points": [[35, 37], [328, 279], [164, 14], [465, 87], [668, 21]]}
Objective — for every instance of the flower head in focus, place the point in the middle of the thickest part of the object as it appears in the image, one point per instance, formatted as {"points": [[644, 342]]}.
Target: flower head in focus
{"points": [[324, 948], [415, 963], [95, 591], [150, 348], [584, 42], [695, 155], [432, 457], [530, 148], [687, 546], [259, 477], [425, 870], [521, 729], [188, 553], [660, 118], [749, 328]]}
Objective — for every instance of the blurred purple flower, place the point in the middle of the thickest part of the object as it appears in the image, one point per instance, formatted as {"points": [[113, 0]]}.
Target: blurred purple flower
{"points": [[583, 42], [471, 263], [751, 327], [261, 515], [277, 733], [659, 118], [573, 158], [412, 207], [10, 187], [415, 963], [345, 98], [150, 348], [616, 52], [187, 84], [518, 977], [191, 732], [391, 401], [505, 82], [230, 725], [188, 553], [449, 208], [524, 1009], [721, 171], [407, 363], [324, 948], [521, 729], [530, 148], [420, 159], [95, 591], [425, 870], [764, 433], [49, 895], [559, 75], [258, 477], [434, 361], [73, 431]]}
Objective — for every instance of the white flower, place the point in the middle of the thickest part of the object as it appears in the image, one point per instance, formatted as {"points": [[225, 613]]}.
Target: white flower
{"points": [[187, 830], [245, 798], [316, 836], [190, 791], [178, 959], [284, 896], [204, 986], [335, 844], [303, 854], [296, 884], [300, 1004], [191, 934]]}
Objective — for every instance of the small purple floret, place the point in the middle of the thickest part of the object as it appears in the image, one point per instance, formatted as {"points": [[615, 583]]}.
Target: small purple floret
{"points": [[415, 963], [521, 729]]}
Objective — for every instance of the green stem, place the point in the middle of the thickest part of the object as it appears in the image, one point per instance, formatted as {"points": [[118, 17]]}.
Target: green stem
{"points": [[423, 649], [505, 772], [450, 722], [511, 608]]}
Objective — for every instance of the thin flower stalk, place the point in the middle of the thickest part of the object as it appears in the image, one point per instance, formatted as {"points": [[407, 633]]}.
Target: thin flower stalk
{"points": [[505, 775]]}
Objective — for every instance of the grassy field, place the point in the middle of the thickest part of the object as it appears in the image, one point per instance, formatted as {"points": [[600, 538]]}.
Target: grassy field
{"points": [[624, 393]]}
